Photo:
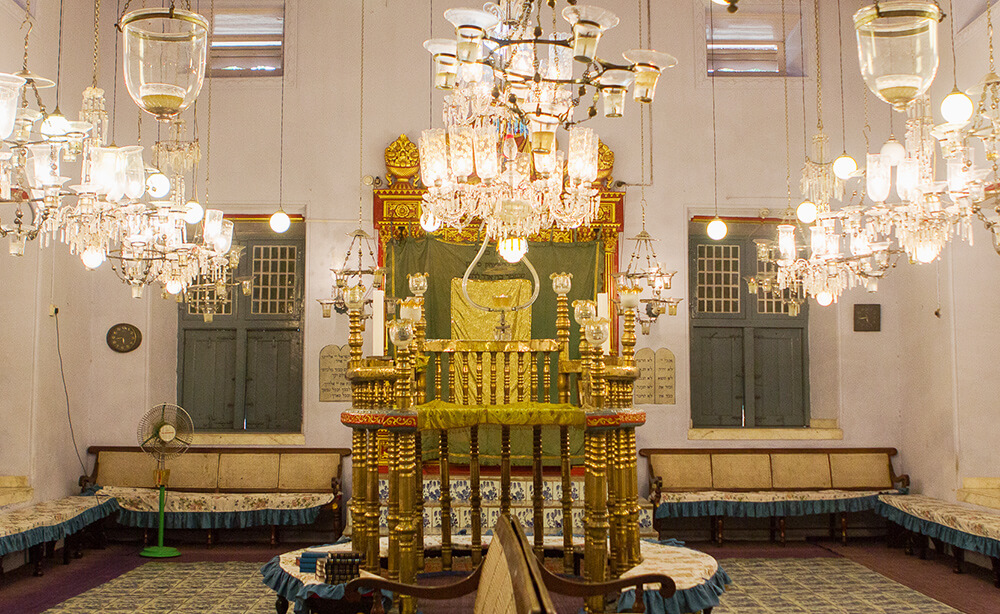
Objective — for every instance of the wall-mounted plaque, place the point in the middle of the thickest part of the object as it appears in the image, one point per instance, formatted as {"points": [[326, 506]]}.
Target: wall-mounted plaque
{"points": [[333, 383], [642, 392], [665, 382]]}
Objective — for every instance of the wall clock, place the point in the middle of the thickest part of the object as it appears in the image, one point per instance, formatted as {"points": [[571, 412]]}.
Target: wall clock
{"points": [[124, 337], [867, 318]]}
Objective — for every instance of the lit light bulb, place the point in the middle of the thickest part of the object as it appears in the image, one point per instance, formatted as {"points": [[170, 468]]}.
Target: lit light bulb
{"points": [[280, 221], [717, 230], [844, 166], [957, 107], [824, 298], [174, 286], [158, 185], [927, 252], [55, 125], [193, 212], [806, 212], [429, 222], [894, 151], [93, 257], [512, 249]]}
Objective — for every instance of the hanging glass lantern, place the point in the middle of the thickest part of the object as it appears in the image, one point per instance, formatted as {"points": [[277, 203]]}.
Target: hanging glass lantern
{"points": [[164, 57], [897, 48], [10, 91]]}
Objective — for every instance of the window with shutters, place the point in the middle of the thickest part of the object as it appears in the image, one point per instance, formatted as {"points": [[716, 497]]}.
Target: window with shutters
{"points": [[242, 371], [248, 39], [749, 358], [750, 42]]}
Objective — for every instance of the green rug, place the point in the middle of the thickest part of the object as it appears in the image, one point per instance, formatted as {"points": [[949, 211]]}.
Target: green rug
{"points": [[760, 586]]}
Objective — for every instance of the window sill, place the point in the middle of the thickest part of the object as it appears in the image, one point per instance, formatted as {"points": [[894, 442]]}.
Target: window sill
{"points": [[249, 439], [738, 434]]}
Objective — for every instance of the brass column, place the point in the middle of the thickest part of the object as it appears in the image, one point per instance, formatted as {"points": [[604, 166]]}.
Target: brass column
{"points": [[392, 517], [475, 498], [406, 529], [359, 476], [445, 475], [566, 499], [372, 506], [538, 519], [595, 555]]}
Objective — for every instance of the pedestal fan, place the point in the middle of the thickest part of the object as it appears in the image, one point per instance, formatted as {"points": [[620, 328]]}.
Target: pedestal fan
{"points": [[164, 432]]}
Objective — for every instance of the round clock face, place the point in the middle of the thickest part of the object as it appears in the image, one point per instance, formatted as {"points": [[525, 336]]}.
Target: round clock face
{"points": [[124, 337]]}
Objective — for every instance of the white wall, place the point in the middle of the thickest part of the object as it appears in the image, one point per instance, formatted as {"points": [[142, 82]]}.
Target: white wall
{"points": [[899, 387]]}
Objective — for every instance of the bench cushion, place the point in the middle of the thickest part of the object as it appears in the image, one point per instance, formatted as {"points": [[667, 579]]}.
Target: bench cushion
{"points": [[860, 470], [698, 577], [965, 527], [51, 520], [795, 471], [765, 504], [198, 510], [741, 471], [683, 471]]}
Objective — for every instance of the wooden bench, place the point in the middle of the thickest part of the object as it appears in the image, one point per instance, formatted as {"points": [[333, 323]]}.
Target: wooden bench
{"points": [[510, 579], [961, 527], [43, 524], [224, 487], [769, 483]]}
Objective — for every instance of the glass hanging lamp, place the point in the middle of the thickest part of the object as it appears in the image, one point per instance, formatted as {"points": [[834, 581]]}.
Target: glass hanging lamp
{"points": [[898, 48], [164, 54]]}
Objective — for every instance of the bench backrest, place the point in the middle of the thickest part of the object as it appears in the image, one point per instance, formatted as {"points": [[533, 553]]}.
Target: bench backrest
{"points": [[506, 584], [205, 469], [743, 469]]}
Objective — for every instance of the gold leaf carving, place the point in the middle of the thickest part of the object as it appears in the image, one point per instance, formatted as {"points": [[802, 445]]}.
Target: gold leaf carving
{"points": [[402, 159], [605, 161]]}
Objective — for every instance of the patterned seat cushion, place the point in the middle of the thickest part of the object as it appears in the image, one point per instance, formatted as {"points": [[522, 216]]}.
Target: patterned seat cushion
{"points": [[51, 520], [952, 515], [687, 567], [148, 500]]}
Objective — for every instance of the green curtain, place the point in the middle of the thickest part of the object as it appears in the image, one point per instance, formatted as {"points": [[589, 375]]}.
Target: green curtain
{"points": [[444, 261]]}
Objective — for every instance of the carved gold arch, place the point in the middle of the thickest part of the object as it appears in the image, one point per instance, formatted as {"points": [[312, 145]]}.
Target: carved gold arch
{"points": [[396, 211]]}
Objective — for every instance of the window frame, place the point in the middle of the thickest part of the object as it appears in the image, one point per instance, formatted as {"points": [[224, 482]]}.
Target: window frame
{"points": [[248, 51]]}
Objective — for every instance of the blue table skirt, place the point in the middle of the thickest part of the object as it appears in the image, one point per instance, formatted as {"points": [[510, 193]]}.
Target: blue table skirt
{"points": [[292, 589], [219, 520], [687, 601], [41, 535], [961, 539], [764, 509]]}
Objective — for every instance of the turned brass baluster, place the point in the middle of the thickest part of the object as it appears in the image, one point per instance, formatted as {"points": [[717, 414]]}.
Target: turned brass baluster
{"points": [[595, 553], [536, 496], [475, 497], [611, 446], [359, 476], [479, 379], [393, 514], [546, 377], [632, 491], [407, 486], [452, 388], [418, 501], [372, 505], [519, 365], [493, 377], [566, 499], [464, 371], [445, 475], [533, 376], [438, 375], [506, 377], [505, 470]]}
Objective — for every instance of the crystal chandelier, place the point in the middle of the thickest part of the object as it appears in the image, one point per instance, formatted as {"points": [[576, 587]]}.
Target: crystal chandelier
{"points": [[512, 88]]}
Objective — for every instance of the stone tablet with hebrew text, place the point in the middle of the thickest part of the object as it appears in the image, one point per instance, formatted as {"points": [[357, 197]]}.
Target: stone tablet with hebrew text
{"points": [[665, 382], [333, 382]]}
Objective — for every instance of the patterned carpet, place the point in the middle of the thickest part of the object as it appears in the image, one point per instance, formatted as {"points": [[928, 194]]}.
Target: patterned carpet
{"points": [[760, 586]]}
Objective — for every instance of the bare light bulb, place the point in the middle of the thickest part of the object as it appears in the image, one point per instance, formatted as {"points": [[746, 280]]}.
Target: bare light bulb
{"points": [[93, 257], [844, 166], [717, 229], [894, 151], [806, 212], [280, 221], [512, 249], [158, 185], [956, 107], [927, 252], [174, 286], [429, 222], [824, 298], [193, 212]]}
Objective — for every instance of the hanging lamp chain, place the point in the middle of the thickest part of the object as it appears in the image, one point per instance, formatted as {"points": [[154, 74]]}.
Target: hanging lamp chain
{"points": [[361, 122], [97, 40], [989, 33], [208, 124], [788, 147], [715, 154], [281, 126], [819, 69]]}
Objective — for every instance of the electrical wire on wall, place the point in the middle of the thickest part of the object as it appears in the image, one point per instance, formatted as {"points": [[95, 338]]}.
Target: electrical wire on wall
{"points": [[62, 375]]}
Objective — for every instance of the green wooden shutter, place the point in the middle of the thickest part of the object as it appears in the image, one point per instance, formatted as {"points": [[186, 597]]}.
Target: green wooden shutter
{"points": [[717, 376], [209, 377], [779, 385], [274, 380]]}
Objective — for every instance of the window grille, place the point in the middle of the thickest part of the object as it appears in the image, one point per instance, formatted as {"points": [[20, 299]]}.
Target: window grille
{"points": [[718, 279], [274, 279], [769, 301]]}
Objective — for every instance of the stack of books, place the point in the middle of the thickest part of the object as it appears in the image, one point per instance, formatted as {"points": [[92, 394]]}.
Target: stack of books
{"points": [[308, 559]]}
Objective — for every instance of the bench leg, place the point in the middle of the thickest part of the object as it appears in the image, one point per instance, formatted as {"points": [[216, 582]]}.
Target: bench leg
{"points": [[959, 555], [921, 545], [843, 529], [938, 547], [281, 605], [640, 604], [36, 555], [996, 571], [833, 526], [50, 550], [274, 535], [771, 529], [995, 566], [66, 548], [718, 530], [781, 529]]}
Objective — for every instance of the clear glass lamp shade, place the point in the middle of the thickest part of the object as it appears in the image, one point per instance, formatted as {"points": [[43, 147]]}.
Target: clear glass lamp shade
{"points": [[878, 177], [224, 241], [433, 148], [786, 241], [562, 283], [135, 171], [45, 164], [647, 65], [164, 57], [629, 297], [401, 333], [213, 224], [597, 331], [898, 48], [614, 84], [445, 61], [417, 283], [583, 311], [55, 127], [485, 145], [894, 150], [588, 22], [354, 296], [10, 91], [460, 148], [543, 135], [409, 309], [471, 26]]}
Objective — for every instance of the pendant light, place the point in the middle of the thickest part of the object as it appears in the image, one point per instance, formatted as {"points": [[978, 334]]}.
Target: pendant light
{"points": [[717, 229], [844, 166], [280, 221], [956, 108]]}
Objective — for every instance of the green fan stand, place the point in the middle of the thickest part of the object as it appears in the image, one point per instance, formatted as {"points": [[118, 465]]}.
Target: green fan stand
{"points": [[159, 551]]}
